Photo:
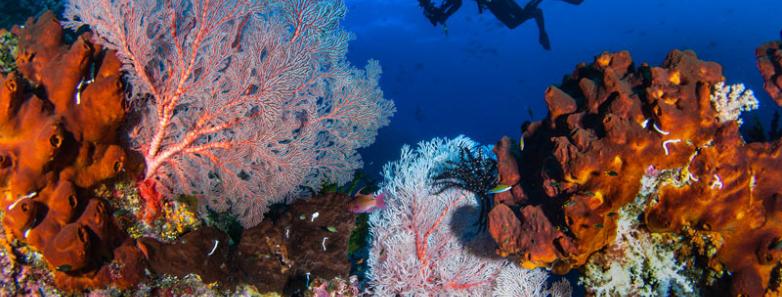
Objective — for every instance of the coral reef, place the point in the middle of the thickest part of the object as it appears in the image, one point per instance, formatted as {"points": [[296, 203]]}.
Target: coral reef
{"points": [[268, 112], [204, 252], [335, 288], [24, 273], [292, 247], [608, 122], [639, 263], [308, 239], [59, 115], [8, 51], [61, 110], [769, 58], [425, 244]]}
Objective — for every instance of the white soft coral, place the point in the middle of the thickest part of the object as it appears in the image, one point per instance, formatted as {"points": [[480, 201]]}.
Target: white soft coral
{"points": [[730, 100], [425, 244], [638, 263]]}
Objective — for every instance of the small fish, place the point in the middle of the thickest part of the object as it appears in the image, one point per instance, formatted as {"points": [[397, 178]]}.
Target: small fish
{"points": [[78, 91], [28, 196], [777, 245], [521, 142], [64, 268], [500, 188], [143, 249], [332, 229], [214, 248], [366, 203]]}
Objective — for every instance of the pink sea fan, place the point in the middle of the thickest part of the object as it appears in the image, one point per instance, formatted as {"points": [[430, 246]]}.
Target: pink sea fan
{"points": [[242, 102], [426, 244]]}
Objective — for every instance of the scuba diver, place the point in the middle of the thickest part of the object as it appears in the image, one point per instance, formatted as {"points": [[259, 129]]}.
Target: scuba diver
{"points": [[507, 11]]}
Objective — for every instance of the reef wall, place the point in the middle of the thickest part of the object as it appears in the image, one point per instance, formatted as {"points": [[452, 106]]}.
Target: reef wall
{"points": [[61, 163], [59, 117], [289, 250], [609, 123]]}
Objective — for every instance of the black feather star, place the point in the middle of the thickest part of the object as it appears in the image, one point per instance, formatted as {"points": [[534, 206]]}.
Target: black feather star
{"points": [[473, 172]]}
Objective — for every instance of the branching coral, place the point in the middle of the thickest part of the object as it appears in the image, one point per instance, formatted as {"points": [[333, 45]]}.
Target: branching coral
{"points": [[729, 101], [423, 243]]}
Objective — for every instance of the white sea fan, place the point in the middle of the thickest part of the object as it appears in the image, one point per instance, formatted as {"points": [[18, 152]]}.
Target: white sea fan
{"points": [[519, 282], [426, 245], [730, 100]]}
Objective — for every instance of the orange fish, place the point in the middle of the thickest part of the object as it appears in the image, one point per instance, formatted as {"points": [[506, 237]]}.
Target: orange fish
{"points": [[143, 249], [366, 203]]}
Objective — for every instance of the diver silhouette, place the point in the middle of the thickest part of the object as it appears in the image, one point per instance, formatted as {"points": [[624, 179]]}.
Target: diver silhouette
{"points": [[506, 11]]}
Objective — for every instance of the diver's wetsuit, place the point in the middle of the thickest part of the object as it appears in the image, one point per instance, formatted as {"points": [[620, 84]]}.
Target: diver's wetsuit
{"points": [[439, 14], [507, 11]]}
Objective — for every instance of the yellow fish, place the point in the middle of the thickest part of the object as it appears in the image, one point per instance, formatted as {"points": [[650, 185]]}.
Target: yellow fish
{"points": [[521, 142], [500, 188]]}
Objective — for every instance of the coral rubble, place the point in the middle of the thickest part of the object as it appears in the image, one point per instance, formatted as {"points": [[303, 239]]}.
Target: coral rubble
{"points": [[59, 115], [608, 122]]}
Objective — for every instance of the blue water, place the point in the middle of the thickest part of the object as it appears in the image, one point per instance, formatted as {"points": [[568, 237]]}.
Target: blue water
{"points": [[481, 78]]}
